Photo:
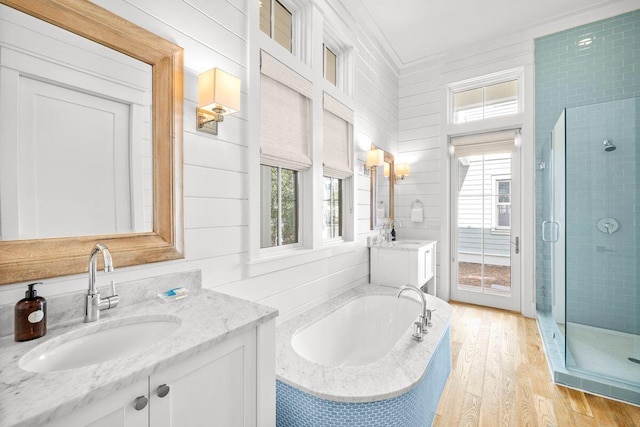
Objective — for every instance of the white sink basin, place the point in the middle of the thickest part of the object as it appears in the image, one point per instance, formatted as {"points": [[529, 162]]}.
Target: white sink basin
{"points": [[99, 342]]}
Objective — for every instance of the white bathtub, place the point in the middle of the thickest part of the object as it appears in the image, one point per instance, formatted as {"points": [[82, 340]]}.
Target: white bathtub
{"points": [[361, 332], [352, 361]]}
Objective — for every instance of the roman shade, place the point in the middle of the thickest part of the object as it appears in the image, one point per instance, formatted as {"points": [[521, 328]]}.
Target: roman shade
{"points": [[484, 143], [285, 116], [336, 131]]}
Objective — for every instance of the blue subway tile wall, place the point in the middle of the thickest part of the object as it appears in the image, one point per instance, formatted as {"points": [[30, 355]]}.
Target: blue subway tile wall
{"points": [[590, 64], [416, 408], [601, 268]]}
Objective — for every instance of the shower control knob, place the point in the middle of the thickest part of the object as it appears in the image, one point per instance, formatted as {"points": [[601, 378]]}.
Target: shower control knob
{"points": [[608, 225]]}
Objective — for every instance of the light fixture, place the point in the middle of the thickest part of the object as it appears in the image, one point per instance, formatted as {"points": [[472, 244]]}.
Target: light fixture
{"points": [[402, 170], [375, 157], [386, 170], [218, 95]]}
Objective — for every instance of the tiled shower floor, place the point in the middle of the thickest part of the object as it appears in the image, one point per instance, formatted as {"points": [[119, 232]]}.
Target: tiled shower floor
{"points": [[604, 352], [601, 356]]}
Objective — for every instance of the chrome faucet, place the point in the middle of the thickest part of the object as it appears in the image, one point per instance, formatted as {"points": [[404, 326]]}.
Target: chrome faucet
{"points": [[94, 305], [420, 327]]}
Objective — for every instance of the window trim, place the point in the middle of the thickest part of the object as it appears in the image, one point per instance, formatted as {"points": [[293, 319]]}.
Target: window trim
{"points": [[495, 228], [306, 61]]}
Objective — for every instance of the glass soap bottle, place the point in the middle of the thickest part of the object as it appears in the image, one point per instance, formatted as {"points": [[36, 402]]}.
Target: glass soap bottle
{"points": [[30, 316]]}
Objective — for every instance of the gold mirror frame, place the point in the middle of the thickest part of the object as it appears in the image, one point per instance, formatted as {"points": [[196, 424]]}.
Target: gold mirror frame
{"points": [[373, 174], [23, 260]]}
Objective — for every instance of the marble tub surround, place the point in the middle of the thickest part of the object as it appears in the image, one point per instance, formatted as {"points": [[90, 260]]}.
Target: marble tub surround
{"points": [[69, 307], [394, 374], [207, 318]]}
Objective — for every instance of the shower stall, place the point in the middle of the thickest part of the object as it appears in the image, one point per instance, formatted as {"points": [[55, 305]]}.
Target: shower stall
{"points": [[588, 248]]}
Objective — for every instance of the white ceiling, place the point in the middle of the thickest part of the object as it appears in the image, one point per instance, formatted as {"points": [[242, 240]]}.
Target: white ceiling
{"points": [[412, 30]]}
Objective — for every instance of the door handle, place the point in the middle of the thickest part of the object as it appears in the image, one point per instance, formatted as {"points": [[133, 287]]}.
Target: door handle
{"points": [[516, 244]]}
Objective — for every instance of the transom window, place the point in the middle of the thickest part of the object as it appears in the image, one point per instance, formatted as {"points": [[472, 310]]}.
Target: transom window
{"points": [[276, 21], [484, 102], [330, 66], [332, 208]]}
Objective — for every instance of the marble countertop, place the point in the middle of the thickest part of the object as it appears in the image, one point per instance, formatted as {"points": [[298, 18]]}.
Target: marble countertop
{"points": [[208, 318], [391, 376]]}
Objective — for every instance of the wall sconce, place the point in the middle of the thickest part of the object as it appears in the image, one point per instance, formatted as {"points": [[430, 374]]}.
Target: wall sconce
{"points": [[402, 170], [218, 95], [386, 170], [374, 158]]}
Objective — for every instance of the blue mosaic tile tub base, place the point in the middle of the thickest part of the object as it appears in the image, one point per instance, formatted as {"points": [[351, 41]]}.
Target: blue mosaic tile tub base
{"points": [[416, 408]]}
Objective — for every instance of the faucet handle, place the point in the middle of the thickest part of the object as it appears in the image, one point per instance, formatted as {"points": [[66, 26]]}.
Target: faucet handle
{"points": [[418, 330], [429, 312], [114, 299]]}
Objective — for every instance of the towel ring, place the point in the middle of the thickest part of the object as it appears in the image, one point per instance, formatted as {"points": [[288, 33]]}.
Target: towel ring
{"points": [[416, 204]]}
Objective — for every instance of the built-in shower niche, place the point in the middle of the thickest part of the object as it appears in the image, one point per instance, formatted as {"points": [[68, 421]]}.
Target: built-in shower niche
{"points": [[590, 237]]}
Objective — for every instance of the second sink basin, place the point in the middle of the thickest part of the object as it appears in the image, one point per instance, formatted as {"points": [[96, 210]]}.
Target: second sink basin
{"points": [[99, 342]]}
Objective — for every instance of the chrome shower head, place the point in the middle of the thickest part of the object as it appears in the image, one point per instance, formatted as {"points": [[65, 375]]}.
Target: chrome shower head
{"points": [[608, 145]]}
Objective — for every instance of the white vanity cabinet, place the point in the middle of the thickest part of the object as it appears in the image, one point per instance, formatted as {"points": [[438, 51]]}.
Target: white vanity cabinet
{"points": [[409, 262], [218, 386]]}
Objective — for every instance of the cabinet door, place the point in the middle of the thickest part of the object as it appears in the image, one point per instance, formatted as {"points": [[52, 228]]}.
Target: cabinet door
{"points": [[116, 410], [215, 387]]}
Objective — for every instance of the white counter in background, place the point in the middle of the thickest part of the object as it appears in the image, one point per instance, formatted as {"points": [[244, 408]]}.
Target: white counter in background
{"points": [[404, 262]]}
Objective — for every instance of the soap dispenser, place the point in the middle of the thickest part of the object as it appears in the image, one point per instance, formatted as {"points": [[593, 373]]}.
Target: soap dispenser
{"points": [[30, 316], [393, 234]]}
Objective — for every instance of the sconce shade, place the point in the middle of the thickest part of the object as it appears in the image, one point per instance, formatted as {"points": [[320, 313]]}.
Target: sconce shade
{"points": [[375, 158], [386, 170], [218, 91], [402, 169]]}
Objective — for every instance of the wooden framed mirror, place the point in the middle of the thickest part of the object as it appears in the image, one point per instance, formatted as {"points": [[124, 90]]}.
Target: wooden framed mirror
{"points": [[32, 259], [382, 191]]}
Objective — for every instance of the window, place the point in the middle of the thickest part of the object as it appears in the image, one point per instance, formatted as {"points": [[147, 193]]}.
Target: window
{"points": [[330, 66], [484, 102], [279, 201], [276, 21], [332, 208], [502, 206]]}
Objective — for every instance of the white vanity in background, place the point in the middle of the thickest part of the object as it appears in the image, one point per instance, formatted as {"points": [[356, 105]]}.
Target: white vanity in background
{"points": [[404, 262]]}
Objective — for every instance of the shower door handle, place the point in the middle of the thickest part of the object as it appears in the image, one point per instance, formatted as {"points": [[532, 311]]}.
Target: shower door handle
{"points": [[544, 227], [556, 228]]}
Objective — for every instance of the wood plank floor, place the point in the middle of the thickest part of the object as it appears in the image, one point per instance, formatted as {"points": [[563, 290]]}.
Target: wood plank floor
{"points": [[499, 377]]}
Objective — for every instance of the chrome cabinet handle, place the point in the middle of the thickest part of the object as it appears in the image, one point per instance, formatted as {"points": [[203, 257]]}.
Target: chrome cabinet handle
{"points": [[140, 403], [163, 390]]}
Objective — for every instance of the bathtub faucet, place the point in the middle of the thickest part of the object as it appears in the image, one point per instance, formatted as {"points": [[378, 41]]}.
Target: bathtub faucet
{"points": [[420, 327]]}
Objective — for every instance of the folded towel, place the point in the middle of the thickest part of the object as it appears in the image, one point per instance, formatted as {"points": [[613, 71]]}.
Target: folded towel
{"points": [[416, 214], [380, 213]]}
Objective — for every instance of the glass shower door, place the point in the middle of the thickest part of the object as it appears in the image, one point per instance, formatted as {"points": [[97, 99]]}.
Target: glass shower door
{"points": [[602, 184]]}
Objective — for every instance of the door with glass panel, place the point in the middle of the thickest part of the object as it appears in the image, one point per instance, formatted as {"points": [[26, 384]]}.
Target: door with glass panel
{"points": [[485, 220]]}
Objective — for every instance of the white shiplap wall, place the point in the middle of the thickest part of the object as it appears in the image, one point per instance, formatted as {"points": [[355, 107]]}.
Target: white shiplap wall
{"points": [[216, 171], [423, 134]]}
